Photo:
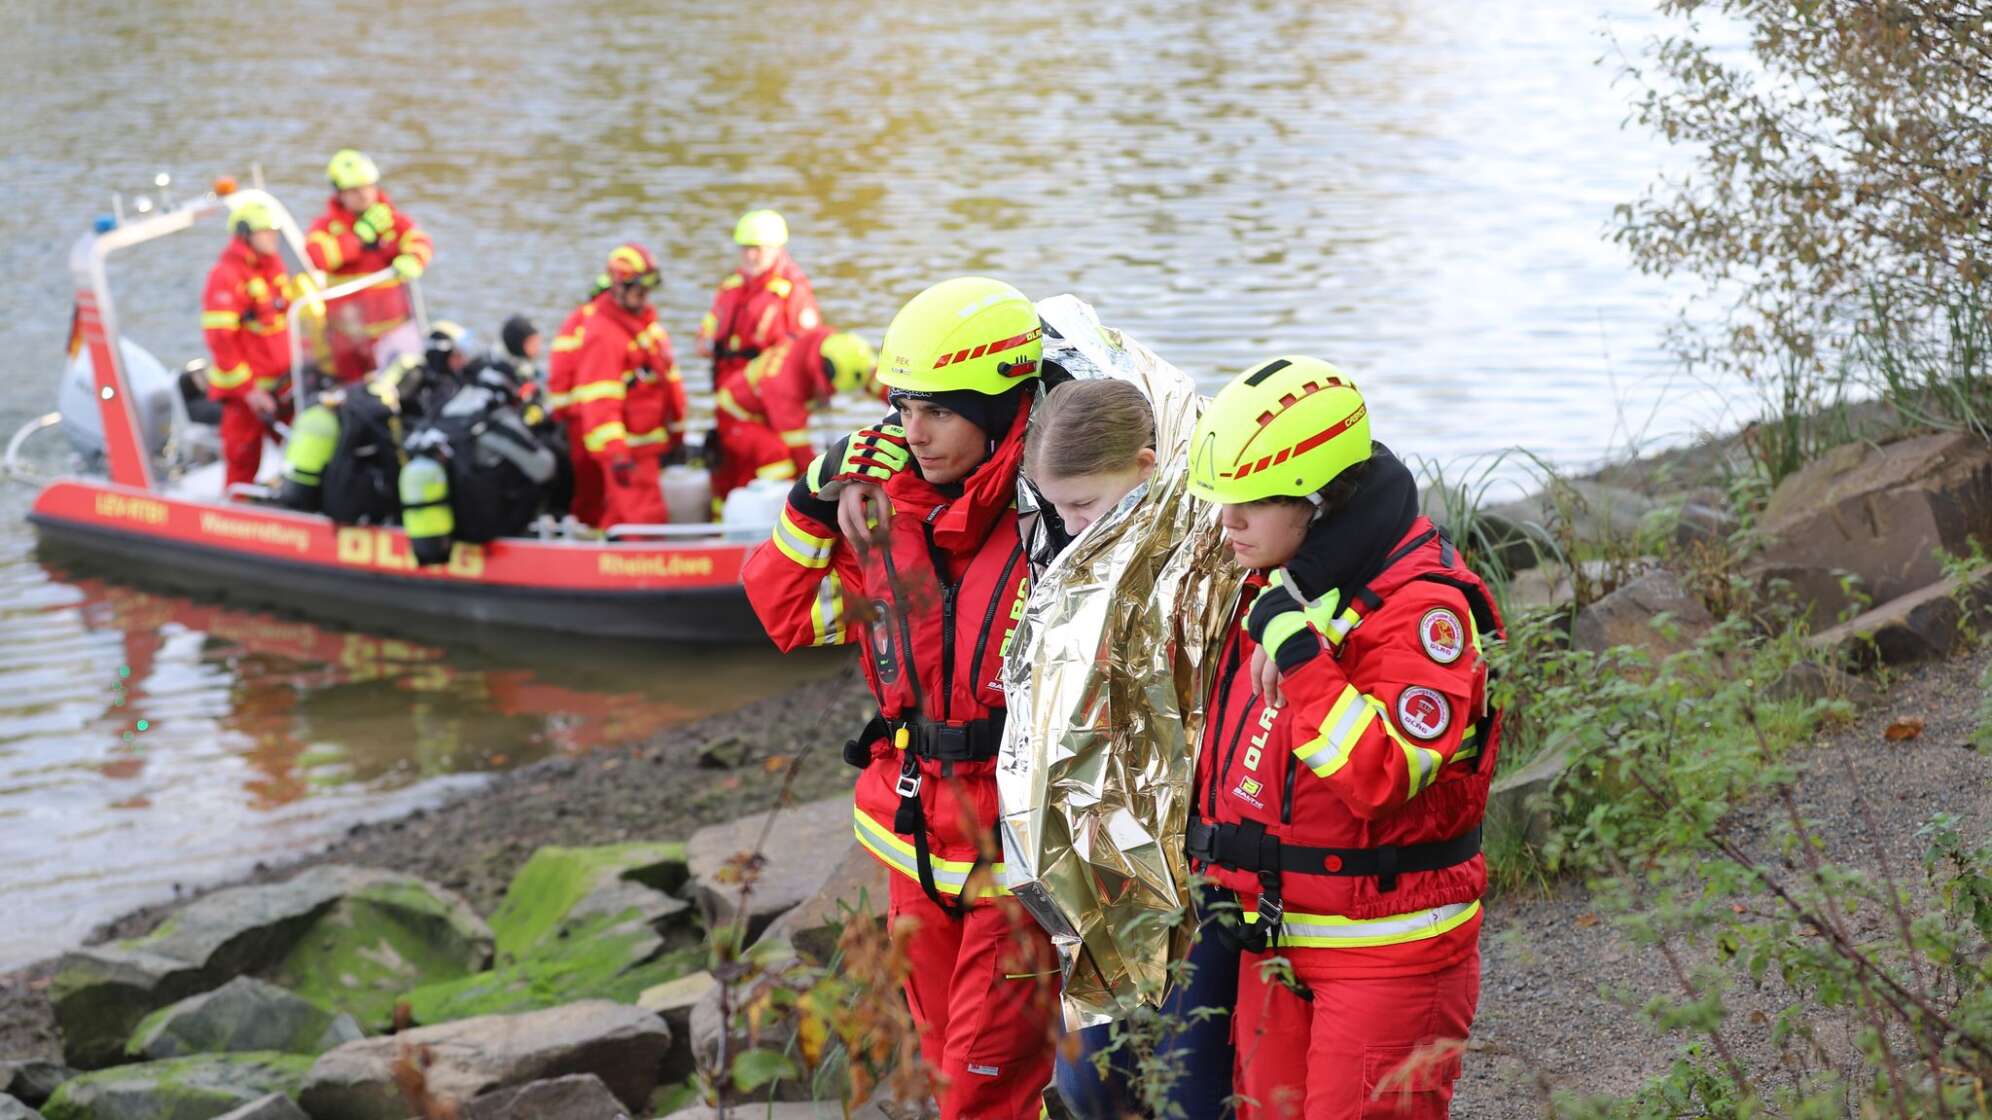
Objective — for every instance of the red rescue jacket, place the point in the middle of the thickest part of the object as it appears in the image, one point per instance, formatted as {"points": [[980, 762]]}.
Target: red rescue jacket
{"points": [[777, 390], [939, 617], [333, 246], [243, 316], [750, 315], [1384, 741], [612, 378]]}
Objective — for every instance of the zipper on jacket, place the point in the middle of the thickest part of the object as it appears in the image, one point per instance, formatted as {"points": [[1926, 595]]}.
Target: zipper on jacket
{"points": [[1286, 791], [989, 618], [939, 557]]}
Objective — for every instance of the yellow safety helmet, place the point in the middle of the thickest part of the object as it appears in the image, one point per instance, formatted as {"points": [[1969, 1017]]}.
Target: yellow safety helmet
{"points": [[351, 168], [761, 227], [1285, 428], [250, 216], [969, 333], [852, 362]]}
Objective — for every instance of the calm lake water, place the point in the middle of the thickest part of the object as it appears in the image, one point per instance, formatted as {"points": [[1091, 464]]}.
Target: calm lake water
{"points": [[1416, 190]]}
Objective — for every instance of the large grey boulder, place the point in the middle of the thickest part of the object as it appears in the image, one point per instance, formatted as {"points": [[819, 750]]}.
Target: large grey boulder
{"points": [[1521, 804], [622, 1045], [342, 936], [1880, 512], [32, 1080], [1628, 617], [243, 1014], [673, 1002], [276, 1106], [1924, 625], [580, 1096], [13, 1109], [196, 1088], [803, 847], [854, 890]]}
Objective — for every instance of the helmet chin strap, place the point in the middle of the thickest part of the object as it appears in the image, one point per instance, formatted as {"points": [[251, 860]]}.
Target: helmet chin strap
{"points": [[1320, 507]]}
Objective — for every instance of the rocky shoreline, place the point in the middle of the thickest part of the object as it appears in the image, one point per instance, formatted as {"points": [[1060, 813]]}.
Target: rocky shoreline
{"points": [[544, 945]]}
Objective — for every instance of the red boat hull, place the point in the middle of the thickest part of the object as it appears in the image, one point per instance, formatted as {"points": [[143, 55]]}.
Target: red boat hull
{"points": [[683, 591]]}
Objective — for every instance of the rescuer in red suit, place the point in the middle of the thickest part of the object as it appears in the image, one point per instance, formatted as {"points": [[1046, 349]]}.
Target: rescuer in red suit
{"points": [[937, 591], [763, 411], [766, 300], [243, 315]]}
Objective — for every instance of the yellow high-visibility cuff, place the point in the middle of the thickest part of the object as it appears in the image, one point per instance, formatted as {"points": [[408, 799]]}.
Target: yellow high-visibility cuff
{"points": [[602, 435], [220, 320], [646, 439], [797, 438], [778, 470], [826, 615], [800, 545], [779, 286], [566, 342], [1341, 729], [232, 378]]}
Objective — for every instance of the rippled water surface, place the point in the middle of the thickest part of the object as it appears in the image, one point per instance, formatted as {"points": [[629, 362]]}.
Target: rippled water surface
{"points": [[1414, 189]]}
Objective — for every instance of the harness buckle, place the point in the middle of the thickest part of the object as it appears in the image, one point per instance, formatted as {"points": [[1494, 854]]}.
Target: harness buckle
{"points": [[950, 744], [909, 781]]}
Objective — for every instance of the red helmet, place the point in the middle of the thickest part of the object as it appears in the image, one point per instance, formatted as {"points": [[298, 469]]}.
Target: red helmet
{"points": [[632, 263]]}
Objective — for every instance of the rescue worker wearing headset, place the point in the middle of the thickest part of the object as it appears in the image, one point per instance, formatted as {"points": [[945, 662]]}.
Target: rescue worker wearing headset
{"points": [[931, 598], [612, 379], [1346, 757], [243, 317]]}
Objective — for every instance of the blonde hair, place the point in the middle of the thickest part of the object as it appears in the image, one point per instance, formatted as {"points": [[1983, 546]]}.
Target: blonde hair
{"points": [[1088, 427]]}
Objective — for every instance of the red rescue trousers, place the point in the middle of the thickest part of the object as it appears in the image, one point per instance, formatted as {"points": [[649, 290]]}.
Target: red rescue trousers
{"points": [[748, 451], [984, 992], [637, 499], [242, 433], [1338, 1057], [586, 504]]}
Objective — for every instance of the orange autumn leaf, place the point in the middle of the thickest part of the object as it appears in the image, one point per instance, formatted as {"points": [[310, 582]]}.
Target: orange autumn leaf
{"points": [[1902, 729]]}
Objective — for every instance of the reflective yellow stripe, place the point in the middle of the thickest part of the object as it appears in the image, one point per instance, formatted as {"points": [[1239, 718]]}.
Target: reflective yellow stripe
{"points": [[565, 342], [708, 323], [328, 247], [269, 384], [603, 435], [1341, 729], [220, 320], [725, 403], [780, 469], [950, 875], [797, 438], [800, 545], [557, 401], [780, 287], [645, 439], [1333, 931], [826, 616], [1421, 764], [229, 378], [598, 391], [264, 329]]}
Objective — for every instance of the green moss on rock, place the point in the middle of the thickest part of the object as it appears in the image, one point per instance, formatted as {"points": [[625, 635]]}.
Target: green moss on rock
{"points": [[194, 1088], [378, 942], [555, 880], [611, 959]]}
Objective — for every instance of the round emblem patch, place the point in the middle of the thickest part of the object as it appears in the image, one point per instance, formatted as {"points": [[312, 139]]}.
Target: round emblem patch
{"points": [[1442, 635], [1423, 713]]}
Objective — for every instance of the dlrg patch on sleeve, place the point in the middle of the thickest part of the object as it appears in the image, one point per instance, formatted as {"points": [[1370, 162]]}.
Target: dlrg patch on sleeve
{"points": [[1423, 713], [1442, 634]]}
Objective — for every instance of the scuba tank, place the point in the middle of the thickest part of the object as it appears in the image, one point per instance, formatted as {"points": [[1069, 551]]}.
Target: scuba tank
{"points": [[425, 498], [312, 441]]}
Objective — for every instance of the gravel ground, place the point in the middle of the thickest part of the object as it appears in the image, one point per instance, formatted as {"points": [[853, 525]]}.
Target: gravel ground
{"points": [[1546, 1019]]}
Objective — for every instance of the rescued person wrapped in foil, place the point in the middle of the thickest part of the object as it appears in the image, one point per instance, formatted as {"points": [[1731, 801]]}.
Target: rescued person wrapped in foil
{"points": [[1105, 679]]}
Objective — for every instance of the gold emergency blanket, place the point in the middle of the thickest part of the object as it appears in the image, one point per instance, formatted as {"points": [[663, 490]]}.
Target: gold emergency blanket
{"points": [[1104, 683]]}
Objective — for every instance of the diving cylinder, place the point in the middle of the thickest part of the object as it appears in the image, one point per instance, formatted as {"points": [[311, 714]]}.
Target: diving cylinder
{"points": [[687, 494], [425, 509], [312, 441]]}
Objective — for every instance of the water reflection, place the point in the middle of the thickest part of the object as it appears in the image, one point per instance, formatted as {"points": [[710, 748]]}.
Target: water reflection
{"points": [[148, 739]]}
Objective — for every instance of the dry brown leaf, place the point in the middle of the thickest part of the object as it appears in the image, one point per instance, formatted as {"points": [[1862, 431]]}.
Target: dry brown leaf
{"points": [[776, 763], [1586, 921], [1906, 728]]}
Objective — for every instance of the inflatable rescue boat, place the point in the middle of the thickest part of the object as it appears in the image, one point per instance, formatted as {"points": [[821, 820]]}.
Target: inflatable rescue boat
{"points": [[142, 499]]}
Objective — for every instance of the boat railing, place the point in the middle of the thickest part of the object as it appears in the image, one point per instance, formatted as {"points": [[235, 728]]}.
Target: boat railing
{"points": [[250, 491], [11, 462], [639, 531]]}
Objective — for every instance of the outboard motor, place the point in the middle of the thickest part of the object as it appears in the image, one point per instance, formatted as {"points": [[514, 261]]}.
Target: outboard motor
{"points": [[425, 497], [154, 395], [313, 439]]}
